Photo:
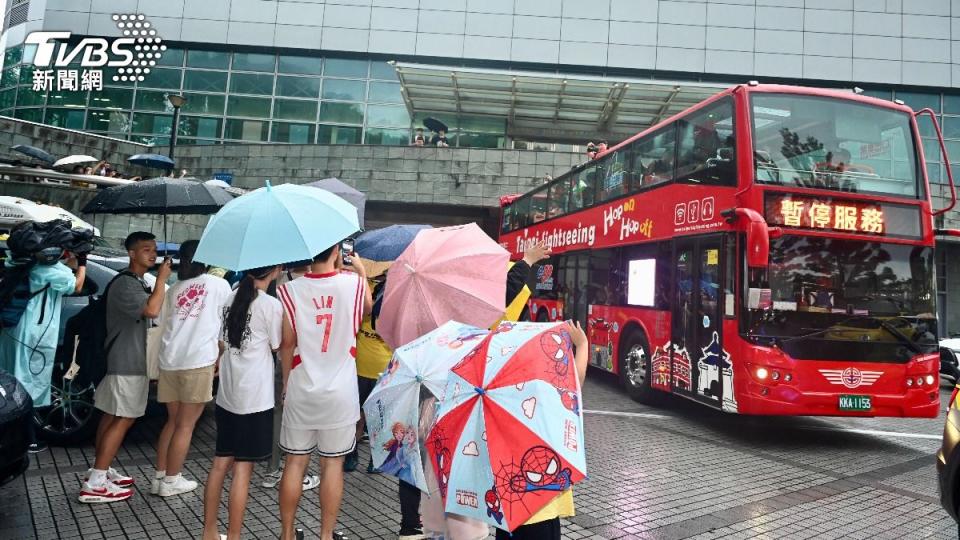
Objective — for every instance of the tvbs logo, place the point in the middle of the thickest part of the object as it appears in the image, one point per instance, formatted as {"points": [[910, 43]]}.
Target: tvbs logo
{"points": [[132, 55]]}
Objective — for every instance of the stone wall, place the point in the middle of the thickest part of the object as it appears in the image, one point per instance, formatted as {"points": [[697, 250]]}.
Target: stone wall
{"points": [[461, 176], [66, 142]]}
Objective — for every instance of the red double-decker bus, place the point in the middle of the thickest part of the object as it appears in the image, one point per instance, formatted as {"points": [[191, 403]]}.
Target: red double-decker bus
{"points": [[768, 251]]}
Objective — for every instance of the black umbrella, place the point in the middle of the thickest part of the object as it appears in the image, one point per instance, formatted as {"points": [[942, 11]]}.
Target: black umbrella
{"points": [[159, 196], [34, 152], [434, 125]]}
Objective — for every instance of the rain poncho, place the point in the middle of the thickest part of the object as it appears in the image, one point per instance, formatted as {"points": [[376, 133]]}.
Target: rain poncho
{"points": [[28, 350]]}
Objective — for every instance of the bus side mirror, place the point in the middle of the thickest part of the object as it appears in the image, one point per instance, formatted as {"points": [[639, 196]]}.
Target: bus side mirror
{"points": [[758, 234], [758, 245]]}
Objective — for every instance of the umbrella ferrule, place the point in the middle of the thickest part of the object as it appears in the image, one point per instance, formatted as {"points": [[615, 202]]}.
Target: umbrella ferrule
{"points": [[409, 268], [419, 378], [269, 187], [479, 390]]}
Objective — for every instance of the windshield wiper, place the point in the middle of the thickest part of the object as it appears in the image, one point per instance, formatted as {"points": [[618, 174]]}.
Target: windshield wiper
{"points": [[895, 332], [883, 324]]}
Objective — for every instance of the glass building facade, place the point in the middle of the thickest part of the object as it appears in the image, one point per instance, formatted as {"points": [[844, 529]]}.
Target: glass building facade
{"points": [[239, 97], [947, 109]]}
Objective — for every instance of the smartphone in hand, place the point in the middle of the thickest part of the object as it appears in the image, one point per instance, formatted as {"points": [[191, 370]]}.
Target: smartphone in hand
{"points": [[346, 248]]}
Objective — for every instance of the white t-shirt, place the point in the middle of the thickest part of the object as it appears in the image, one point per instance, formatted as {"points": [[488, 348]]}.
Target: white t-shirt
{"points": [[192, 319], [325, 312], [246, 374]]}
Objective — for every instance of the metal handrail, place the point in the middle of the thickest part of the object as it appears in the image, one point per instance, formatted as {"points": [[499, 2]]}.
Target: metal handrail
{"points": [[50, 174]]}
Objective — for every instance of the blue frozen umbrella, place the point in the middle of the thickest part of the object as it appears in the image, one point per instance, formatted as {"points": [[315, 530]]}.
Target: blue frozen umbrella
{"points": [[388, 243], [275, 225], [153, 161], [34, 152]]}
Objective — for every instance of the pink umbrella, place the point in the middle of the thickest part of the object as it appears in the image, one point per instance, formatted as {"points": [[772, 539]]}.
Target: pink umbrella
{"points": [[452, 273]]}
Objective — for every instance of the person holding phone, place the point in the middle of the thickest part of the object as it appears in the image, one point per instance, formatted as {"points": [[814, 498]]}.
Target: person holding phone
{"points": [[122, 394], [321, 315]]}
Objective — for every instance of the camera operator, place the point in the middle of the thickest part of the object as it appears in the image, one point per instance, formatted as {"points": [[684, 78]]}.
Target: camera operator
{"points": [[28, 349]]}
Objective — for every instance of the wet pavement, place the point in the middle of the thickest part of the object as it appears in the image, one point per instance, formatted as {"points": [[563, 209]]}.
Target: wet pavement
{"points": [[669, 472]]}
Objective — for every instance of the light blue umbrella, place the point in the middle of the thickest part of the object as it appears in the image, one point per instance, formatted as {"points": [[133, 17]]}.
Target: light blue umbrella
{"points": [[275, 225]]}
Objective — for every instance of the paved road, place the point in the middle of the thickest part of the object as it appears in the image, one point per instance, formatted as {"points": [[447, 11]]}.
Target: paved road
{"points": [[676, 471]]}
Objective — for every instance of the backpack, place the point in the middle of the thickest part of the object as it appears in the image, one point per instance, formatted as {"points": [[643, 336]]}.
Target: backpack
{"points": [[15, 294], [90, 325]]}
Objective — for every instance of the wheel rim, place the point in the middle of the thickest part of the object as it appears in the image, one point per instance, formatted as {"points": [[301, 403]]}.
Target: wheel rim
{"points": [[69, 411], [636, 365]]}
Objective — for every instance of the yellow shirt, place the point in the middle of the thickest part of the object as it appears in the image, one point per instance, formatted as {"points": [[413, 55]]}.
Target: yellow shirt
{"points": [[562, 506], [373, 354]]}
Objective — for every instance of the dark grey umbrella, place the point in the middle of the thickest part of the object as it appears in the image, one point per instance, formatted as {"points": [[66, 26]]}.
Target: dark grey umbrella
{"points": [[345, 192], [153, 161], [160, 196], [435, 125], [34, 152]]}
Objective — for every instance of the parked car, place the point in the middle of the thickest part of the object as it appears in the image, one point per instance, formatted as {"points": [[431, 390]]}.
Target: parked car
{"points": [[948, 460], [71, 416], [950, 358], [15, 407]]}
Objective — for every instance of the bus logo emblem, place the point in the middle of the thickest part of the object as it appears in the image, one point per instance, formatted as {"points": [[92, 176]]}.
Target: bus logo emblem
{"points": [[851, 377]]}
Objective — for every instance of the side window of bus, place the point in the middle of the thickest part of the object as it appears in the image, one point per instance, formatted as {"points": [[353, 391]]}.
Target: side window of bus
{"points": [[706, 153], [538, 205], [559, 197], [605, 284], [584, 188], [509, 222], [521, 209], [614, 180], [654, 158]]}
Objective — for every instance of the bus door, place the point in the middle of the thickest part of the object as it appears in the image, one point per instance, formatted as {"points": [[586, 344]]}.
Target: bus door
{"points": [[698, 363], [573, 275]]}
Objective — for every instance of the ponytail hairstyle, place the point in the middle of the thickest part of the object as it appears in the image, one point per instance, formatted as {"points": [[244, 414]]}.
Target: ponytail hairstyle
{"points": [[246, 293], [189, 269]]}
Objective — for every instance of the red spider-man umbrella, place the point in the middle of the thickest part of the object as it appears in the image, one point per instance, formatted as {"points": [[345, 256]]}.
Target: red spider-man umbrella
{"points": [[509, 438]]}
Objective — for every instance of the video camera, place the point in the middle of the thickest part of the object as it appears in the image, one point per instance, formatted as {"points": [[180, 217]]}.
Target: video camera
{"points": [[30, 240]]}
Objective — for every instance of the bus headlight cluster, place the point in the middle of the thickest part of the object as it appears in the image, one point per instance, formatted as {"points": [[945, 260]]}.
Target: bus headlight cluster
{"points": [[929, 380], [764, 374]]}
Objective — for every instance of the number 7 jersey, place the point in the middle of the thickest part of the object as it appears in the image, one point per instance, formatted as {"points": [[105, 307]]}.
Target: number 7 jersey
{"points": [[325, 312]]}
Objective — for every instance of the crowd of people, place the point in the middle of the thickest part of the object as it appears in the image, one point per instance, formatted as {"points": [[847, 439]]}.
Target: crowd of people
{"points": [[318, 316]]}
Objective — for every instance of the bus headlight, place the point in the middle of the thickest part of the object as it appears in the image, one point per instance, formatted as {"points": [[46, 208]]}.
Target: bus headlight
{"points": [[929, 379], [775, 376], [919, 381], [909, 382], [762, 373]]}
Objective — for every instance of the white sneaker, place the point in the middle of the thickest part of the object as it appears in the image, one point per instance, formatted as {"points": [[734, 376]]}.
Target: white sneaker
{"points": [[155, 485], [177, 487], [113, 476], [310, 481], [272, 479], [107, 493]]}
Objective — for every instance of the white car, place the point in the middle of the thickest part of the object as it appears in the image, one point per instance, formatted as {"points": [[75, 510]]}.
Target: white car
{"points": [[949, 355]]}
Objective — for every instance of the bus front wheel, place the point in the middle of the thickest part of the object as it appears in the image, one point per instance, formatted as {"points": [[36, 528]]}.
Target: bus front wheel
{"points": [[635, 367]]}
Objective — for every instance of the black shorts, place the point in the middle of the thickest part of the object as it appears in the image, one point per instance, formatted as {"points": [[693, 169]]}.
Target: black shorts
{"points": [[365, 386], [244, 437]]}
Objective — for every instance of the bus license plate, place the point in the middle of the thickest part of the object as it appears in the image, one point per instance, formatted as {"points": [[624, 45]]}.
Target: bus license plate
{"points": [[855, 403]]}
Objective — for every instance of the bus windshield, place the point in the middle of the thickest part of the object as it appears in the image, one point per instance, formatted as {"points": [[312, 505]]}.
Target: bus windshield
{"points": [[833, 144], [823, 297]]}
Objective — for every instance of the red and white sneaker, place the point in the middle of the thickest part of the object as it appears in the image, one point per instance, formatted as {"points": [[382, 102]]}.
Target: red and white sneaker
{"points": [[107, 493], [113, 476]]}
